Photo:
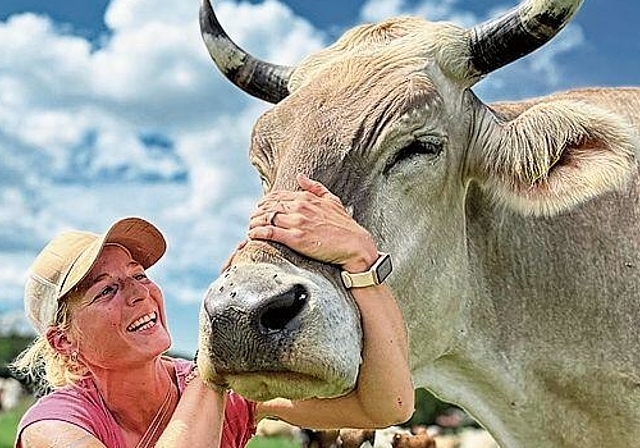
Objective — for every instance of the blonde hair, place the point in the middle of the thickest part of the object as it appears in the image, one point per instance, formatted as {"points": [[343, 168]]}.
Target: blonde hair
{"points": [[43, 366]]}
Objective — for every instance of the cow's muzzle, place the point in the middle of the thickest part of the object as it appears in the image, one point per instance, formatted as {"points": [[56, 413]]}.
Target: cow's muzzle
{"points": [[279, 331]]}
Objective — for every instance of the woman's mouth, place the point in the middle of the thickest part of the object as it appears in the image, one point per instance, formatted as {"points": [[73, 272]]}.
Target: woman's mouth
{"points": [[145, 322]]}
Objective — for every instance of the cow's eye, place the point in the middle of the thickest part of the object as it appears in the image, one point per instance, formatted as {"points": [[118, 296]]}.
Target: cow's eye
{"points": [[266, 185], [419, 147]]}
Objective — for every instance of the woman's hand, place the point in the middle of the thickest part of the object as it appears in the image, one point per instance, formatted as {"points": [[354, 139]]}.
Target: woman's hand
{"points": [[314, 223]]}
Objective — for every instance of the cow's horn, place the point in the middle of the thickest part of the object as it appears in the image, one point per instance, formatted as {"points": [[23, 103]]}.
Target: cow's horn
{"points": [[258, 78], [517, 33]]}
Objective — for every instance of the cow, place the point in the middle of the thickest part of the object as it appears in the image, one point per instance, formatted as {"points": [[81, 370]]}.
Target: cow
{"points": [[513, 227]]}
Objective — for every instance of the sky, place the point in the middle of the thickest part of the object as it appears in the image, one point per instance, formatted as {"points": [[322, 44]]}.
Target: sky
{"points": [[112, 108]]}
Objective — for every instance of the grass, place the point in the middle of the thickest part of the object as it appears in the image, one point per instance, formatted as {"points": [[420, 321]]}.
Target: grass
{"points": [[272, 442], [9, 423]]}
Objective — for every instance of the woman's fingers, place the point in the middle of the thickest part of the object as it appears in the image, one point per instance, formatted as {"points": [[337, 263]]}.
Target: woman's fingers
{"points": [[312, 221], [300, 241], [308, 231], [315, 187], [310, 189], [269, 218]]}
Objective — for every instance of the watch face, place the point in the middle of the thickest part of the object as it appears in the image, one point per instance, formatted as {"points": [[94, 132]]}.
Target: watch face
{"points": [[384, 269]]}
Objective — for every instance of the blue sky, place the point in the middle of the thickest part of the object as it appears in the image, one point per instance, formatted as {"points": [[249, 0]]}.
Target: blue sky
{"points": [[111, 108]]}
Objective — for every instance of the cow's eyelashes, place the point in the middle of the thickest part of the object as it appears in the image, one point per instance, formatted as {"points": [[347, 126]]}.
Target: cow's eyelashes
{"points": [[266, 185], [420, 146]]}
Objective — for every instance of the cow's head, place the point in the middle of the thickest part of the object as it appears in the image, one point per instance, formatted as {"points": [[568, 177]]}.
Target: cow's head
{"points": [[385, 119]]}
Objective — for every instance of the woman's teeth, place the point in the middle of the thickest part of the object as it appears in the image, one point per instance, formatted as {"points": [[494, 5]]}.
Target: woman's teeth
{"points": [[145, 322]]}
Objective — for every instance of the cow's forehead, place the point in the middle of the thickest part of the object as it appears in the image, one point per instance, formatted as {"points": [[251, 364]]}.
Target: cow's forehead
{"points": [[330, 118], [394, 43], [374, 75], [374, 80]]}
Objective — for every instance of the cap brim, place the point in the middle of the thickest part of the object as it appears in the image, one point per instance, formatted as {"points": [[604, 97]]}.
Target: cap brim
{"points": [[141, 238]]}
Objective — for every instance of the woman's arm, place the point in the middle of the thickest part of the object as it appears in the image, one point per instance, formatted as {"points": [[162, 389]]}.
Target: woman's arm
{"points": [[56, 434], [315, 223], [197, 420]]}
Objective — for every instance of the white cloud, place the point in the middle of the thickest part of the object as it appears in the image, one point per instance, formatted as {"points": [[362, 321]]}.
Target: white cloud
{"points": [[442, 10], [376, 10], [14, 323]]}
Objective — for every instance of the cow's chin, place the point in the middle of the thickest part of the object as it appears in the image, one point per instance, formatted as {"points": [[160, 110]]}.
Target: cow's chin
{"points": [[264, 386]]}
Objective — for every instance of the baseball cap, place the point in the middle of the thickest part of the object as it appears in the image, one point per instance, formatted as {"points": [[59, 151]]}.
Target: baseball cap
{"points": [[69, 257]]}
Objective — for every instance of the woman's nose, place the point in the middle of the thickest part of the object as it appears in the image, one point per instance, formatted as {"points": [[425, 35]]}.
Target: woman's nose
{"points": [[134, 290]]}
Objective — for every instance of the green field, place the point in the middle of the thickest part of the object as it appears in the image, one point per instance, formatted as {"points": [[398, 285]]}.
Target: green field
{"points": [[9, 423], [272, 442]]}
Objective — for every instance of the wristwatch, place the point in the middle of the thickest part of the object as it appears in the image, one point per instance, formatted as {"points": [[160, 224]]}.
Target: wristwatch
{"points": [[374, 276]]}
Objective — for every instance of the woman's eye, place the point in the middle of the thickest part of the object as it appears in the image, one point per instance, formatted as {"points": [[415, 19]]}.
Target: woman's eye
{"points": [[141, 277], [106, 291]]}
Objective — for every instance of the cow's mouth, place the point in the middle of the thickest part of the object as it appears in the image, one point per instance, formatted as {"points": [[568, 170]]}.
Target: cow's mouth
{"points": [[265, 385]]}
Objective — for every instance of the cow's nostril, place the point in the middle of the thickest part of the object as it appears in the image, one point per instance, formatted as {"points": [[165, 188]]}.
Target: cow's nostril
{"points": [[282, 309]]}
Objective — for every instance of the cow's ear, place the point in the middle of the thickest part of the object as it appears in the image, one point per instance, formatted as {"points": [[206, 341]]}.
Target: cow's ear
{"points": [[558, 154]]}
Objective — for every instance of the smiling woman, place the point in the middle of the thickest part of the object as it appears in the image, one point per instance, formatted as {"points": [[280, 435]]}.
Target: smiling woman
{"points": [[102, 327]]}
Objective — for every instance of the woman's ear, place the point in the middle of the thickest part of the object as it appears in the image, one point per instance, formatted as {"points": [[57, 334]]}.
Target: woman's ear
{"points": [[59, 341]]}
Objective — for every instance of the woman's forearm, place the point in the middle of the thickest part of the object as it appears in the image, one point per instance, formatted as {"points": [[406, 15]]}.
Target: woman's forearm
{"points": [[197, 420], [385, 387]]}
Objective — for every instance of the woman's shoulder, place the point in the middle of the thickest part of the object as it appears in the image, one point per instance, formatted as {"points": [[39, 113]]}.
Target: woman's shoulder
{"points": [[239, 421], [79, 405], [82, 399], [77, 397]]}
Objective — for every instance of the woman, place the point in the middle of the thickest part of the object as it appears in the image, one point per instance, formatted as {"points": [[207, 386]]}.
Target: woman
{"points": [[103, 331]]}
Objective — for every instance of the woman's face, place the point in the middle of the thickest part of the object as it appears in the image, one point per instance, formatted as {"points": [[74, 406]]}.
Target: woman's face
{"points": [[118, 317]]}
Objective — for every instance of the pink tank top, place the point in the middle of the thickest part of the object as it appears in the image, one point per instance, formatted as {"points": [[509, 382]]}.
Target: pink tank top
{"points": [[81, 405]]}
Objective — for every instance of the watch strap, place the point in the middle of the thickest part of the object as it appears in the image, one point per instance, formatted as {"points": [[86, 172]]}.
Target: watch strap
{"points": [[367, 278]]}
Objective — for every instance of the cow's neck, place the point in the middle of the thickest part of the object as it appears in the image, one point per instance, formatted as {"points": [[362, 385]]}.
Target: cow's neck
{"points": [[510, 358]]}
